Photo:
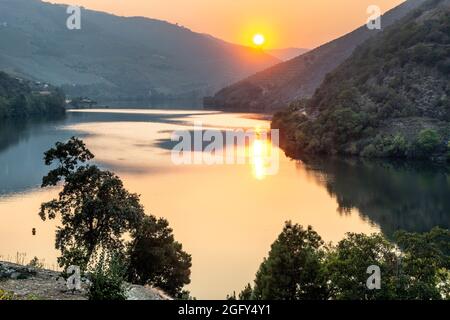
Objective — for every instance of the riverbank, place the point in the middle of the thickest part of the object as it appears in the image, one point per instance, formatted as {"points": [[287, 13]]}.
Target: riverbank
{"points": [[29, 283]]}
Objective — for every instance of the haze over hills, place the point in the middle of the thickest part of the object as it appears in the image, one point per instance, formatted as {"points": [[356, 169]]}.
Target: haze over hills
{"points": [[391, 98], [287, 53], [272, 89], [114, 57]]}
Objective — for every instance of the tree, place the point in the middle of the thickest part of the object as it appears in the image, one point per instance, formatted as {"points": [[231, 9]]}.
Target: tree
{"points": [[95, 208], [300, 267], [293, 269], [346, 267], [157, 259], [425, 267]]}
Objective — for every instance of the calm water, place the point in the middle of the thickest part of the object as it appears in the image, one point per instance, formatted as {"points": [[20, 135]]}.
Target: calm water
{"points": [[226, 216]]}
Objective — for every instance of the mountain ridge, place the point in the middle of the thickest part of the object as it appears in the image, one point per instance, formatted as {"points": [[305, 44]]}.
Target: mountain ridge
{"points": [[114, 57], [391, 98], [272, 89]]}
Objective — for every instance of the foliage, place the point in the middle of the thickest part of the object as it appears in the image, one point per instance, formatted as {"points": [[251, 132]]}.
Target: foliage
{"points": [[17, 99], [36, 263], [425, 267], [6, 295], [300, 267], [246, 294], [376, 103], [428, 141], [157, 259], [292, 270], [96, 212], [107, 278], [95, 208], [347, 263]]}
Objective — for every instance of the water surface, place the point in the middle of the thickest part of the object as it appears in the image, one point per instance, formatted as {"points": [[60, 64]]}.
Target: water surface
{"points": [[226, 216]]}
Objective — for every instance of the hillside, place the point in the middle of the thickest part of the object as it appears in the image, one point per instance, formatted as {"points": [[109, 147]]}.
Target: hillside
{"points": [[114, 57], [271, 89], [20, 98], [390, 99], [287, 53]]}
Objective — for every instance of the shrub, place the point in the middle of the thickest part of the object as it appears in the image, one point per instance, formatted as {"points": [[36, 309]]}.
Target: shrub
{"points": [[428, 141], [6, 295], [36, 263], [107, 278]]}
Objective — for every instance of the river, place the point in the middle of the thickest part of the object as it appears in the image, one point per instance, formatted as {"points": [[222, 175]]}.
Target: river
{"points": [[225, 215]]}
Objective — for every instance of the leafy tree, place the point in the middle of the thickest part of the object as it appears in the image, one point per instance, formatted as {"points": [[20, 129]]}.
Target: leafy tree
{"points": [[347, 263], [299, 267], [293, 269], [157, 259], [95, 208], [425, 267]]}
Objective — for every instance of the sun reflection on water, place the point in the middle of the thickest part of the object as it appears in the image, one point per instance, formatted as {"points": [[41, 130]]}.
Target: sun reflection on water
{"points": [[260, 157]]}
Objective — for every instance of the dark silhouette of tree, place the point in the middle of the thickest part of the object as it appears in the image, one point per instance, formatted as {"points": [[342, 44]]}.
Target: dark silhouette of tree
{"points": [[96, 213], [293, 269], [299, 267], [157, 259], [95, 208]]}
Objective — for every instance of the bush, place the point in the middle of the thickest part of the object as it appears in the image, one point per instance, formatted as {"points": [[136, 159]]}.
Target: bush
{"points": [[6, 295], [107, 278], [36, 263], [428, 141]]}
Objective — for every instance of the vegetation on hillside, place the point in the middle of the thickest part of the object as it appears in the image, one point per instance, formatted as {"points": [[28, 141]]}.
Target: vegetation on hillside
{"points": [[97, 216], [18, 99], [390, 99], [119, 58], [301, 266], [272, 89]]}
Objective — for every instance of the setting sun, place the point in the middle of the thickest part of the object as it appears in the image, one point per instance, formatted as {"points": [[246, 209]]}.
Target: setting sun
{"points": [[258, 39]]}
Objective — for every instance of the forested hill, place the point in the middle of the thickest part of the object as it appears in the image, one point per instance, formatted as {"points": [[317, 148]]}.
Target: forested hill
{"points": [[391, 98], [117, 58], [20, 98]]}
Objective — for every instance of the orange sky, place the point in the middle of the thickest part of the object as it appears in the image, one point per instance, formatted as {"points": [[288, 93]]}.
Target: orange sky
{"points": [[285, 23]]}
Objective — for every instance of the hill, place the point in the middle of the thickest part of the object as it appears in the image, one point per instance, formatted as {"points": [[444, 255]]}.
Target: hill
{"points": [[272, 89], [287, 53], [114, 57], [20, 98], [390, 99]]}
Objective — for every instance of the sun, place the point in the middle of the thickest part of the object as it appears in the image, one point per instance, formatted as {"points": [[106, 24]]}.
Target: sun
{"points": [[258, 39]]}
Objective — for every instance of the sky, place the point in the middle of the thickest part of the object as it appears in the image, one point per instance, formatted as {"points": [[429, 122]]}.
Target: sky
{"points": [[284, 23]]}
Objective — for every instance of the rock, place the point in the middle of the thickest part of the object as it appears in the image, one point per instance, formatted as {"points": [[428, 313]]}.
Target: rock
{"points": [[39, 284]]}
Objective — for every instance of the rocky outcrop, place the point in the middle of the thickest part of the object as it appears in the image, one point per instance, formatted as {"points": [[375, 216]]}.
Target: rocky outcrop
{"points": [[28, 283]]}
